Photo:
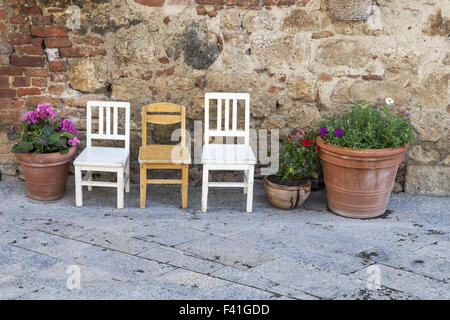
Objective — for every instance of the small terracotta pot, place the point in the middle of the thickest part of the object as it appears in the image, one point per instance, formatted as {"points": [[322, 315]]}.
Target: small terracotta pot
{"points": [[286, 197], [46, 174], [359, 182]]}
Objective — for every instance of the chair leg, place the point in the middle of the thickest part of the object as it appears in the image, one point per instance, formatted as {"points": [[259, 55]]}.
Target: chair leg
{"points": [[205, 188], [78, 187], [246, 181], [127, 171], [120, 188], [251, 172], [89, 173], [184, 185], [143, 182]]}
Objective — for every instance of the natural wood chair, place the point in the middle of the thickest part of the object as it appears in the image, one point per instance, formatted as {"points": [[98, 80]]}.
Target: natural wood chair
{"points": [[159, 156], [235, 157], [105, 159]]}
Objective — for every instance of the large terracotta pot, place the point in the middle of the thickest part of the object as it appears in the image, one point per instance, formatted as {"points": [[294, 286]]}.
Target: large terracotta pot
{"points": [[286, 197], [46, 174], [359, 182]]}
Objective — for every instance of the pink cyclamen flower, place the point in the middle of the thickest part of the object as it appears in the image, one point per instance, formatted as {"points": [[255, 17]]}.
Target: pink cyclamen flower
{"points": [[31, 117], [73, 141], [45, 110], [68, 126]]}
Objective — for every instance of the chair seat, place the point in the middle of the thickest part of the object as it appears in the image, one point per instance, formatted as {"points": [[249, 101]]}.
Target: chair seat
{"points": [[102, 157], [160, 153], [228, 154]]}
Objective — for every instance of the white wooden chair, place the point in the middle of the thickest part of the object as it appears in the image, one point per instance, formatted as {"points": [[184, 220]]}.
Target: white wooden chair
{"points": [[235, 157], [105, 159]]}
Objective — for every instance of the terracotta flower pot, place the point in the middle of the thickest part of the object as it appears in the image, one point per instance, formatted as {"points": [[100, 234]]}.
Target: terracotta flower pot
{"points": [[46, 174], [359, 182], [286, 197]]}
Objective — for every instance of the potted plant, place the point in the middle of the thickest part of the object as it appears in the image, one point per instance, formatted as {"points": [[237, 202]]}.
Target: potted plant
{"points": [[44, 152], [298, 163], [352, 10], [360, 152]]}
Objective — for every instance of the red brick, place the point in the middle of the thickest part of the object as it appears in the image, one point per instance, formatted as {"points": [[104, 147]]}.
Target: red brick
{"points": [[35, 100], [200, 82], [21, 82], [49, 31], [4, 82], [322, 34], [282, 78], [220, 43], [28, 92], [81, 52], [325, 77], [3, 27], [33, 50], [36, 72], [210, 1], [4, 59], [274, 89], [5, 105], [39, 82], [150, 3], [57, 42], [167, 72], [213, 13], [201, 11], [353, 76], [25, 61], [93, 41], [147, 75], [37, 42], [56, 90], [2, 14], [32, 10], [11, 71], [57, 66], [59, 77], [272, 2], [372, 77], [17, 104], [164, 60], [302, 3], [19, 38], [18, 20], [166, 20], [41, 20], [7, 93]]}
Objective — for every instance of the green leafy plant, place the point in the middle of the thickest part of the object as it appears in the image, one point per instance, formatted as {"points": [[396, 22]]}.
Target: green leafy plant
{"points": [[299, 157], [365, 126], [42, 134]]}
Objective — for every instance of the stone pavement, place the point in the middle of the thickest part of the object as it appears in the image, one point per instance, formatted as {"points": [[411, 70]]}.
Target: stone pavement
{"points": [[164, 252]]}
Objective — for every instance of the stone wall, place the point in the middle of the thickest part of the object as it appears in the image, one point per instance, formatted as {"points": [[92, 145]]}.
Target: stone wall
{"points": [[296, 61]]}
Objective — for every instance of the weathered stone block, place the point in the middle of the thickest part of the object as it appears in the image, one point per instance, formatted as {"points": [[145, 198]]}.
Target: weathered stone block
{"points": [[299, 89], [377, 91], [82, 77], [342, 52], [432, 180]]}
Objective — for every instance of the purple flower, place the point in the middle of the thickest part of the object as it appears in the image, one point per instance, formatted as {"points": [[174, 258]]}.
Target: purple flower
{"points": [[323, 131], [45, 110], [338, 132], [68, 126], [73, 141], [31, 117]]}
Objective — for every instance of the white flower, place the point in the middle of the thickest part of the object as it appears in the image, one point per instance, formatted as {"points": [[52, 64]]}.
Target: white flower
{"points": [[389, 101]]}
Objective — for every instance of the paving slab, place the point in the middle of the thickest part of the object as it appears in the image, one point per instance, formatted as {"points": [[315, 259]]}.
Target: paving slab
{"points": [[165, 252]]}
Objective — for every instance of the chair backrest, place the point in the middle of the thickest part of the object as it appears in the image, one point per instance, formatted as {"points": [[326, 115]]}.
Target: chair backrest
{"points": [[227, 131], [110, 131], [163, 113]]}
